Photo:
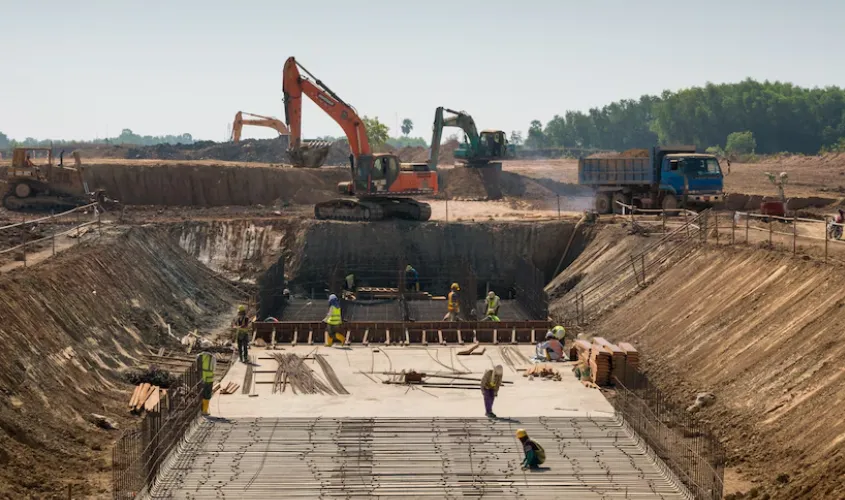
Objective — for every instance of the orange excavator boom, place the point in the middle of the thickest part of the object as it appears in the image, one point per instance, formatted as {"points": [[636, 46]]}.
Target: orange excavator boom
{"points": [[258, 121], [294, 85]]}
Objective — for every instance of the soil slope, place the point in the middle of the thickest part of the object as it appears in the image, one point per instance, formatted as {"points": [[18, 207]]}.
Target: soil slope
{"points": [[760, 330], [69, 325]]}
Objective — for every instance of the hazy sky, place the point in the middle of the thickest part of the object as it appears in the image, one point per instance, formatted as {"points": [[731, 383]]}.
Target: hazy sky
{"points": [[84, 69]]}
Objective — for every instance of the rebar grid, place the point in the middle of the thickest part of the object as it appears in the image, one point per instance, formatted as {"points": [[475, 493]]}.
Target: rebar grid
{"points": [[414, 458]]}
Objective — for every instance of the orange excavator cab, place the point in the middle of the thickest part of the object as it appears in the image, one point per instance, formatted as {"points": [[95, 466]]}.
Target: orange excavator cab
{"points": [[381, 185]]}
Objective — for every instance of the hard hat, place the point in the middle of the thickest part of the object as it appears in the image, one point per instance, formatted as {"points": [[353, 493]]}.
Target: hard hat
{"points": [[408, 267], [332, 297], [559, 328], [241, 308], [520, 433], [491, 294], [455, 286]]}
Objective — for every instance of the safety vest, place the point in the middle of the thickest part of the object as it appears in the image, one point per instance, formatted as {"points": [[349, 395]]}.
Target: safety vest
{"points": [[453, 302], [492, 304], [207, 362], [334, 316]]}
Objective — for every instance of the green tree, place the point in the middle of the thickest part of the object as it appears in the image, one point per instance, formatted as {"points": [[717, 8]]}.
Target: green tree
{"points": [[407, 126], [377, 132], [4, 141], [741, 143], [536, 137], [516, 137]]}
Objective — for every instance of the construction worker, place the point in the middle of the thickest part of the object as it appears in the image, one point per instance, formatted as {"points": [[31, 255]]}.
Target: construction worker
{"points": [[534, 453], [490, 383], [333, 319], [207, 363], [492, 303], [241, 326], [550, 350], [349, 282], [412, 279], [453, 307], [559, 333]]}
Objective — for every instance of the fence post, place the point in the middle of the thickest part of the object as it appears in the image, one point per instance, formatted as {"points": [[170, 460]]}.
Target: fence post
{"points": [[716, 224], [558, 206], [23, 236], [78, 217], [733, 229], [447, 210], [686, 222], [794, 234], [663, 214], [53, 236], [770, 231], [825, 238], [632, 214], [99, 224], [704, 225], [747, 218]]}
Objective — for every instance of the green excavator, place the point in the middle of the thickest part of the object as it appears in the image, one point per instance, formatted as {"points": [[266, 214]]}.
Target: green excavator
{"points": [[486, 149]]}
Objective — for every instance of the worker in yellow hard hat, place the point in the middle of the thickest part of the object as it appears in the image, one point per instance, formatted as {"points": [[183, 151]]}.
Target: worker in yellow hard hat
{"points": [[453, 307], [534, 453], [241, 327], [559, 333]]}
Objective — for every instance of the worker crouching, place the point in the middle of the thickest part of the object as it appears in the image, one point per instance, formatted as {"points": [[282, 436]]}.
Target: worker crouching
{"points": [[535, 455], [492, 303], [491, 381], [550, 350], [334, 321]]}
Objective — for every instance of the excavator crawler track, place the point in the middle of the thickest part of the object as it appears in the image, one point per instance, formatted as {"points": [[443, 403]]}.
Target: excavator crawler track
{"points": [[373, 209]]}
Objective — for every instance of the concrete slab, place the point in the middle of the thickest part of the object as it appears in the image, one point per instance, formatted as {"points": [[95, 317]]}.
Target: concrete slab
{"points": [[369, 397]]}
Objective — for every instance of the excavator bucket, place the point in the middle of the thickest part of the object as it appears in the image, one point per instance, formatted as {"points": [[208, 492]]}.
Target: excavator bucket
{"points": [[311, 154]]}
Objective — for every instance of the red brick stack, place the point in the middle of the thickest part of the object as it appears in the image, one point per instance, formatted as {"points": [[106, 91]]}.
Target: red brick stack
{"points": [[632, 357], [600, 365]]}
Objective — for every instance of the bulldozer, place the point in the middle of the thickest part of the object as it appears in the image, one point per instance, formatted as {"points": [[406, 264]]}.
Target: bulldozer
{"points": [[34, 182]]}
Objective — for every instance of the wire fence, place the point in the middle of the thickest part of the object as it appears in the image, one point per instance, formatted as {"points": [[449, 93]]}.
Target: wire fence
{"points": [[684, 444], [28, 244], [140, 453]]}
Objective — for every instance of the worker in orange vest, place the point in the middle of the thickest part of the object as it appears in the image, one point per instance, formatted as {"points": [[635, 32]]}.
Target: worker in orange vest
{"points": [[453, 312]]}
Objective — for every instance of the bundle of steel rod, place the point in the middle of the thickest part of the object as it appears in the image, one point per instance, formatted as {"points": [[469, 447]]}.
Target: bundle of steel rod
{"points": [[294, 372], [414, 458], [331, 376]]}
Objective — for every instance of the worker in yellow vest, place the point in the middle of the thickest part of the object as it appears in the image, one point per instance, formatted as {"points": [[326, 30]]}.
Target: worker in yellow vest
{"points": [[453, 307], [334, 320], [207, 363], [492, 303], [241, 327]]}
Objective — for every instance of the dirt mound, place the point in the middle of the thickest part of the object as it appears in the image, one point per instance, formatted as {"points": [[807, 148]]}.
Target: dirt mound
{"points": [[214, 185], [635, 153], [766, 342], [70, 325], [469, 183]]}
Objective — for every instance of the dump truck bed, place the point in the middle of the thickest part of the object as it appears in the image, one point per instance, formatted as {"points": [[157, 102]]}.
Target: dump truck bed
{"points": [[616, 171]]}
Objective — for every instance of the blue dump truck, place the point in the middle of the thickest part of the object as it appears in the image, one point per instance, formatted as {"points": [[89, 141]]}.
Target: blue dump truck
{"points": [[669, 177]]}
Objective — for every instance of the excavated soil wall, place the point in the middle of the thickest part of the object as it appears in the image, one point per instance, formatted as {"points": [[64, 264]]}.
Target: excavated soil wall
{"points": [[759, 329], [214, 185], [69, 325]]}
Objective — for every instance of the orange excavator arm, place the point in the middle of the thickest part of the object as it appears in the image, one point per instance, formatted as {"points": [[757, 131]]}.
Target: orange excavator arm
{"points": [[294, 85], [258, 121]]}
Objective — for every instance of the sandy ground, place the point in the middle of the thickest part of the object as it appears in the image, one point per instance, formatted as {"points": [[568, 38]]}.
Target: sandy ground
{"points": [[371, 398]]}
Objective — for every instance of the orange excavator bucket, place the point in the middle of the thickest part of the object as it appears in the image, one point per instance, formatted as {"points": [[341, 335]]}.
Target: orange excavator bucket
{"points": [[311, 154]]}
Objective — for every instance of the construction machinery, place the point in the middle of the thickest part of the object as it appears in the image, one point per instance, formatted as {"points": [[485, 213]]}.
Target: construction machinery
{"points": [[381, 187], [33, 182], [258, 121], [486, 149]]}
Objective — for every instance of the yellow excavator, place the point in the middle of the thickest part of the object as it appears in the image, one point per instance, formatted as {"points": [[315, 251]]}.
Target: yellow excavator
{"points": [[311, 154], [33, 182]]}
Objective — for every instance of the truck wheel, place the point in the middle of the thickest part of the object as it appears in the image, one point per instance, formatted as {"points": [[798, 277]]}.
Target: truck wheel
{"points": [[603, 203], [670, 202]]}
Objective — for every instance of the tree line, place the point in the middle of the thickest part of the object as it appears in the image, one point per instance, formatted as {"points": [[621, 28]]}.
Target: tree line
{"points": [[780, 117], [126, 137]]}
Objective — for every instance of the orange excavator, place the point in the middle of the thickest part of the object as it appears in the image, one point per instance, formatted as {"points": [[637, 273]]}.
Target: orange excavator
{"points": [[257, 120], [381, 187]]}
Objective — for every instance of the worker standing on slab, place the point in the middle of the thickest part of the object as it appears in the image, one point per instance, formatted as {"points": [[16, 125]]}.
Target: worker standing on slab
{"points": [[412, 279], [453, 311], [534, 453], [492, 303], [334, 320], [207, 362], [241, 326], [490, 383]]}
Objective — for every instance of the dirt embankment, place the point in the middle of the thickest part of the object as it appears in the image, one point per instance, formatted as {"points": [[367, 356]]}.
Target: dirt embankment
{"points": [[69, 325], [483, 184], [214, 185], [759, 329]]}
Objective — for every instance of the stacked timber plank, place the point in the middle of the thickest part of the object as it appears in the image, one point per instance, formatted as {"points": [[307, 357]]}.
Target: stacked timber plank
{"points": [[617, 357], [146, 397], [580, 350], [600, 360], [632, 357]]}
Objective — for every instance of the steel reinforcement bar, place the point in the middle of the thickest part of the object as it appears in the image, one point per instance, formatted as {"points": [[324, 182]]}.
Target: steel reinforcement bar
{"points": [[405, 333]]}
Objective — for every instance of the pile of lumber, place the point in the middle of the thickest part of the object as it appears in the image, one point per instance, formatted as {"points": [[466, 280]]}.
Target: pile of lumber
{"points": [[542, 370], [147, 397], [605, 359]]}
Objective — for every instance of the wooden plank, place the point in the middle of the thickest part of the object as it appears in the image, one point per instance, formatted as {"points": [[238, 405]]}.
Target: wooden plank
{"points": [[348, 339], [440, 337], [153, 400], [424, 337], [460, 338], [513, 336], [474, 336], [468, 351], [495, 336], [310, 337], [478, 352], [134, 398], [366, 334], [407, 338], [142, 396], [272, 339], [295, 336], [387, 336], [533, 339], [145, 396]]}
